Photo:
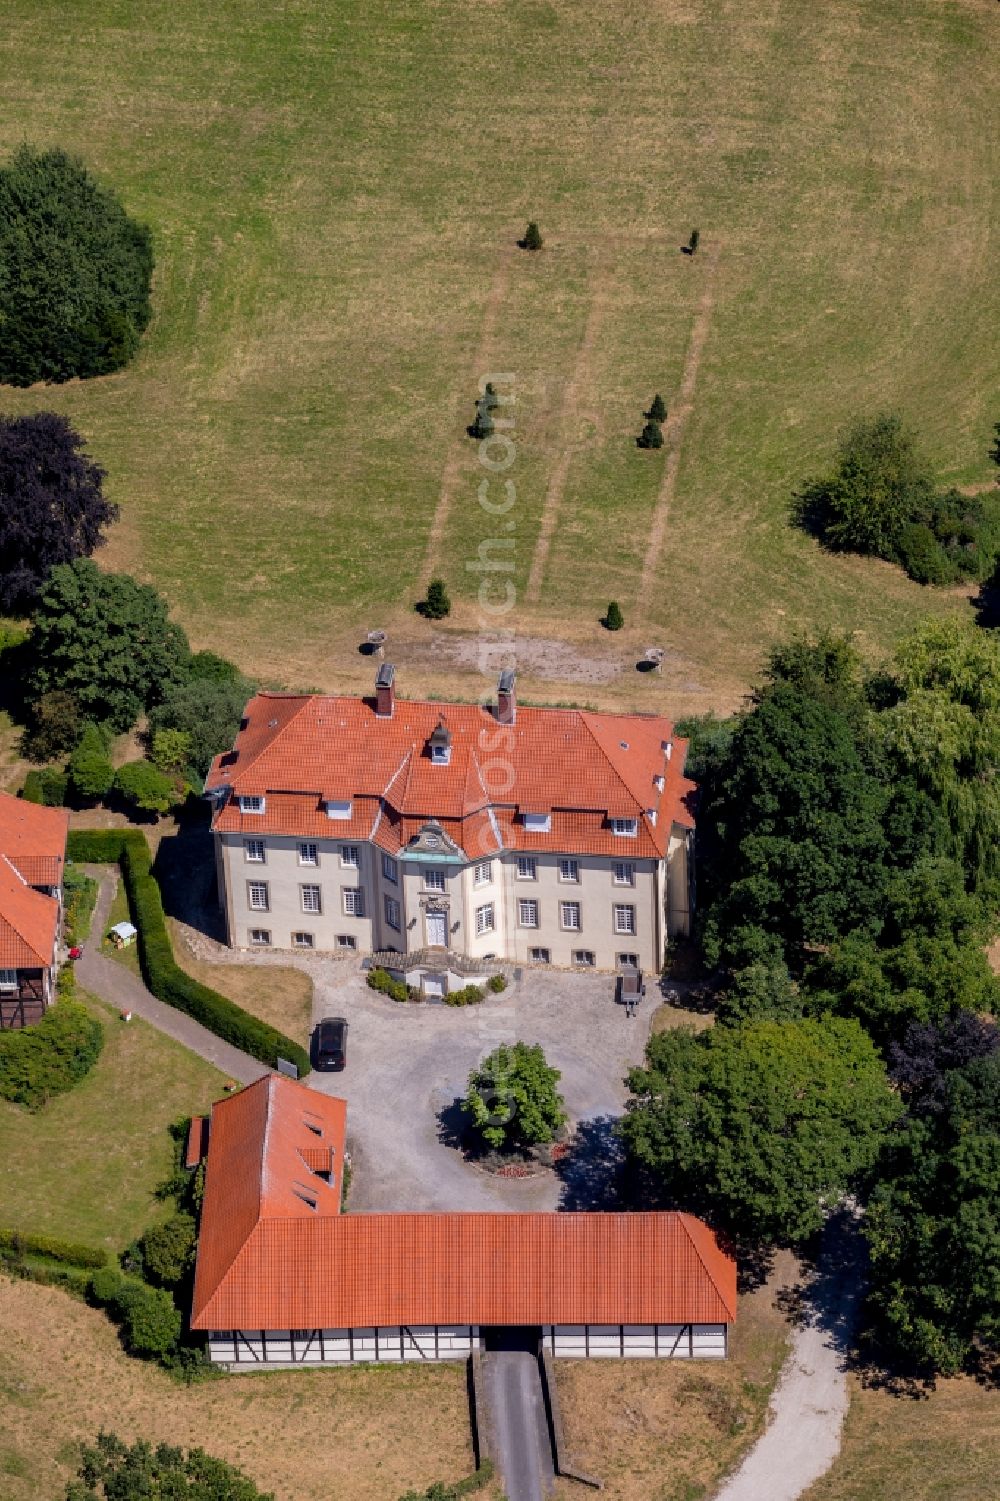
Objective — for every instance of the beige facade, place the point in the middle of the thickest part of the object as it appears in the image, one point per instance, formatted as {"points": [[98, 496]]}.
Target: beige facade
{"points": [[570, 910]]}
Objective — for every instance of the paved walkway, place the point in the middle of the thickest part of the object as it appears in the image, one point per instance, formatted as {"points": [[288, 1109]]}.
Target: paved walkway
{"points": [[513, 1391], [124, 990], [810, 1400]]}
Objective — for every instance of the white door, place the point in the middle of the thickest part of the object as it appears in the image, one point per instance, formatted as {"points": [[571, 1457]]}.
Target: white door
{"points": [[437, 929]]}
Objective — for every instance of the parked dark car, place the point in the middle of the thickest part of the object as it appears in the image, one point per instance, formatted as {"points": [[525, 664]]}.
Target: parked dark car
{"points": [[330, 1044]]}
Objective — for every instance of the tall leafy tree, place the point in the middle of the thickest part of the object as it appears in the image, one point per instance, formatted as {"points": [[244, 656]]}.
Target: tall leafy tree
{"points": [[879, 485], [74, 272], [793, 832], [760, 1127], [106, 641], [207, 710], [933, 1227], [52, 506], [513, 1100]]}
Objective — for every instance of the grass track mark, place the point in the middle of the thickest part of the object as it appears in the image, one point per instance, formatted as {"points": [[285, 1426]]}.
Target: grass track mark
{"points": [[677, 421], [576, 385], [453, 463]]}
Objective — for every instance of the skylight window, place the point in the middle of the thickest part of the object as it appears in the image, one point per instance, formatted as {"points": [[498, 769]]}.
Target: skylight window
{"points": [[305, 1195]]}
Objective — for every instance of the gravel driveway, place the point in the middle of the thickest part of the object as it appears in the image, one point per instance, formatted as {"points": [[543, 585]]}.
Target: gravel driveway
{"points": [[408, 1064]]}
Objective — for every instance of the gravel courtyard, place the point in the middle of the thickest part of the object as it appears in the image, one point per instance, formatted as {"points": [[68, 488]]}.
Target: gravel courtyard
{"points": [[408, 1064]]}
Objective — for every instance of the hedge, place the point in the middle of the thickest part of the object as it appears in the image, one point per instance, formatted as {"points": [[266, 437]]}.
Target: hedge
{"points": [[51, 1056], [68, 1251], [163, 975]]}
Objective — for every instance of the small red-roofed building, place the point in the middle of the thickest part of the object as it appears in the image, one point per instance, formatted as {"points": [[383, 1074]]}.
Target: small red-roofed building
{"points": [[445, 837], [32, 860], [284, 1278]]}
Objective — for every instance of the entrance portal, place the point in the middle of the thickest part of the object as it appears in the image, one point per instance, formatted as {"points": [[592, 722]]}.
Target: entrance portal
{"points": [[526, 1337]]}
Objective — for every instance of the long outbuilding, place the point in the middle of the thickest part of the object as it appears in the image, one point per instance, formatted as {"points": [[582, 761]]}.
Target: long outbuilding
{"points": [[284, 1278]]}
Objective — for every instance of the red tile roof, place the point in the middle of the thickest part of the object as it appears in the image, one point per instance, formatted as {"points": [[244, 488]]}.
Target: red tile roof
{"points": [[29, 922], [267, 1260], [34, 839], [582, 768]]}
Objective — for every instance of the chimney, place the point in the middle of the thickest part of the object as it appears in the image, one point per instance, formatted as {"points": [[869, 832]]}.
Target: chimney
{"points": [[506, 701], [385, 691]]}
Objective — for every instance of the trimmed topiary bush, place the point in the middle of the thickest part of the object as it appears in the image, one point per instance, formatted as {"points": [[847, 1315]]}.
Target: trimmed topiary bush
{"points": [[614, 619], [437, 604], [532, 237], [651, 436], [497, 983], [74, 294], [162, 974], [468, 995], [144, 785], [382, 981], [91, 774], [658, 410]]}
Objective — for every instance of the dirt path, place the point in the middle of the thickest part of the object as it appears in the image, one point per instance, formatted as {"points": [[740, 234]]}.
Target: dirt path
{"points": [[810, 1400], [453, 463], [673, 432], [576, 387]]}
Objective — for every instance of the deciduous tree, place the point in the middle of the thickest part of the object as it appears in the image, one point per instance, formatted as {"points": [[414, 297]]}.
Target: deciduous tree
{"points": [[760, 1127], [142, 784], [52, 506], [114, 1471], [105, 640], [513, 1101], [74, 272]]}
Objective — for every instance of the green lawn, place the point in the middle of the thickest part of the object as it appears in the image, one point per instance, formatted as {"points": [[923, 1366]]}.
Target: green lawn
{"points": [[119, 912], [87, 1165], [334, 191]]}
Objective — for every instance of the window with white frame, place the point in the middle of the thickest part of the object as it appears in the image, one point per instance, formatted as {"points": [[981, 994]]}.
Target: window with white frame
{"points": [[349, 856], [527, 913], [569, 870], [485, 918], [253, 851], [260, 937], [540, 956], [8, 980], [354, 901], [257, 895], [527, 868], [624, 919], [346, 941], [484, 873], [337, 809], [624, 873], [251, 804], [629, 827], [538, 823], [312, 900], [584, 957], [570, 916], [303, 941], [627, 961], [389, 869], [308, 854], [434, 880], [392, 913]]}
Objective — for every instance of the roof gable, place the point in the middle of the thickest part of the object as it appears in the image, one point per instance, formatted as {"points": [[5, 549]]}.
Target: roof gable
{"points": [[29, 922]]}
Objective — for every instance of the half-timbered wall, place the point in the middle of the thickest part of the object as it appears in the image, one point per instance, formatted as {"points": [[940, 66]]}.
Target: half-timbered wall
{"points": [[455, 1342]]}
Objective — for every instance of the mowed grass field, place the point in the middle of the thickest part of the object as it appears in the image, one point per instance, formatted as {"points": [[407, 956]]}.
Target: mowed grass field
{"points": [[334, 191]]}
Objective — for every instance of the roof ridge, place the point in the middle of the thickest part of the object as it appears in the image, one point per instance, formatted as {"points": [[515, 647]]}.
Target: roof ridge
{"points": [[307, 698], [684, 1217], [585, 719]]}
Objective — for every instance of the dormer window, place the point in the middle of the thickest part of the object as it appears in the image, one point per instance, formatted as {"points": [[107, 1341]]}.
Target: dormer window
{"points": [[537, 823], [439, 744], [305, 1195], [251, 804], [336, 808], [658, 783], [627, 827], [651, 815]]}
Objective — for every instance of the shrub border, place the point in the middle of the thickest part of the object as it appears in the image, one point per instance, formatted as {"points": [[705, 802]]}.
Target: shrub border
{"points": [[168, 982]]}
